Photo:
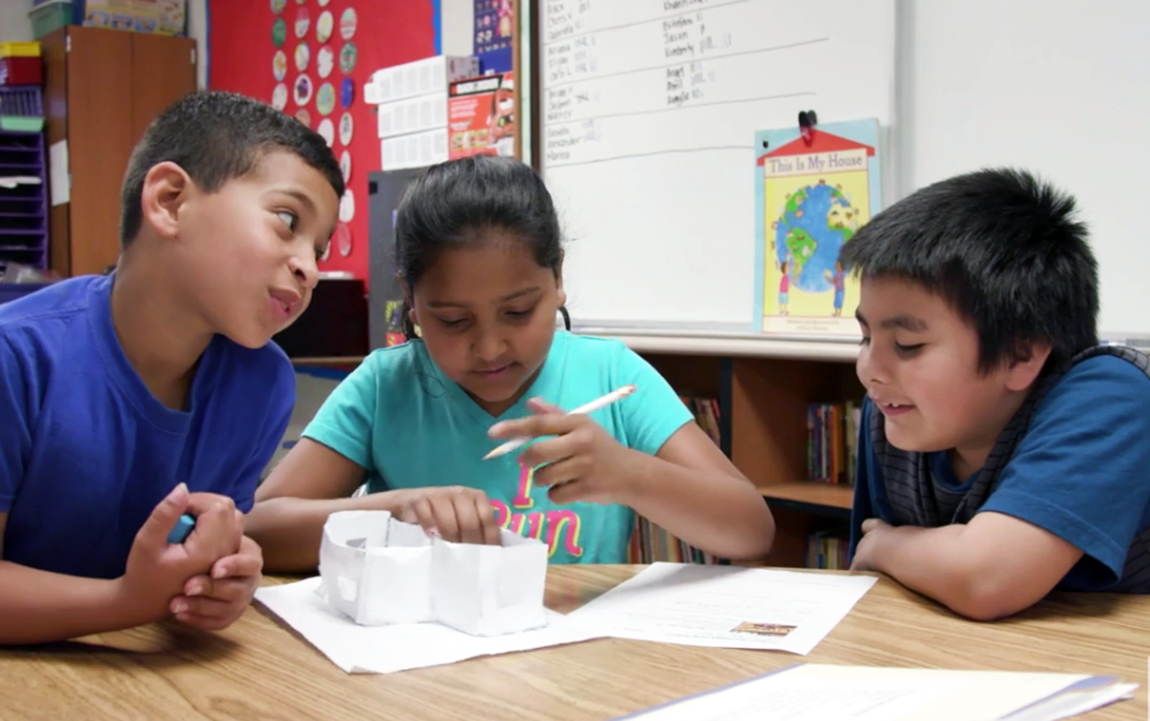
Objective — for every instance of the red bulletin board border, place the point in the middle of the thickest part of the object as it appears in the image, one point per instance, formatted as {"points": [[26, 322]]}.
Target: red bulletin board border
{"points": [[388, 32]]}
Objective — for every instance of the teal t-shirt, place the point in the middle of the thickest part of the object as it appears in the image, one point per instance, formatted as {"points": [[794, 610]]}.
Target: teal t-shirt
{"points": [[410, 426]]}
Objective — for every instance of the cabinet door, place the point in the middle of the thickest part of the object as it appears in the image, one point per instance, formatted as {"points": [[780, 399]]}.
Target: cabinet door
{"points": [[163, 71], [53, 48], [99, 142]]}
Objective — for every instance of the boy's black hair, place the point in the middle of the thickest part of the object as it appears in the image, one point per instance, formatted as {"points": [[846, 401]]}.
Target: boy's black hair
{"points": [[450, 204], [216, 136], [1003, 249]]}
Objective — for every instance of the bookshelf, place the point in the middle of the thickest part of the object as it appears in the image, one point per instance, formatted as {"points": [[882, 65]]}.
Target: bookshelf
{"points": [[765, 390]]}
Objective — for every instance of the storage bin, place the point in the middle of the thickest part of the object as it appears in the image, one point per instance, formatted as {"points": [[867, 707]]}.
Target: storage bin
{"points": [[51, 16], [19, 50], [21, 71], [21, 109]]}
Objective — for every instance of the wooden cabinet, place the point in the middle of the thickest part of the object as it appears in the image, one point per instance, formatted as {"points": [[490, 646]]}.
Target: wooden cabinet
{"points": [[102, 88]]}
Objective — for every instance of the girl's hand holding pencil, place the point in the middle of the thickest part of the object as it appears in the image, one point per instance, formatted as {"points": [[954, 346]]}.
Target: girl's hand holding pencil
{"points": [[583, 462]]}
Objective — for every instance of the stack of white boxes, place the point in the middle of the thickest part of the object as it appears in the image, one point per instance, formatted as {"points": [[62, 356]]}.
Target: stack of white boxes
{"points": [[412, 106]]}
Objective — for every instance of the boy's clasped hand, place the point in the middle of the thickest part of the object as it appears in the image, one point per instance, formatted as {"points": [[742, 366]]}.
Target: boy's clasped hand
{"points": [[205, 582]]}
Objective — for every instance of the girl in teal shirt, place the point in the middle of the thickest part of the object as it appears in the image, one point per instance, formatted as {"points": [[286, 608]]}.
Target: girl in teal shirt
{"points": [[479, 254]]}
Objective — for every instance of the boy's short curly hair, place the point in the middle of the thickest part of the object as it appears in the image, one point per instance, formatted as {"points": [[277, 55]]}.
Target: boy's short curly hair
{"points": [[1003, 249], [216, 136]]}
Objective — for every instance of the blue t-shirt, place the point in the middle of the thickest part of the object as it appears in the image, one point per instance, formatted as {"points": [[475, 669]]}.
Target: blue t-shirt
{"points": [[87, 452], [1081, 472], [410, 426]]}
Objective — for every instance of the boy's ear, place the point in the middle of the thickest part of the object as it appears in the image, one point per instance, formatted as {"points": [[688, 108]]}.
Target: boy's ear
{"points": [[1028, 361], [165, 190]]}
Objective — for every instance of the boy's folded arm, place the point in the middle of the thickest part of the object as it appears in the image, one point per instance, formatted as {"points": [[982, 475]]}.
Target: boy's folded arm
{"points": [[41, 607], [992, 567], [292, 505]]}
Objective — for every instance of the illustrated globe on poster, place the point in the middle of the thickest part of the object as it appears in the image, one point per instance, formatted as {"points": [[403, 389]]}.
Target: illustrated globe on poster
{"points": [[809, 233]]}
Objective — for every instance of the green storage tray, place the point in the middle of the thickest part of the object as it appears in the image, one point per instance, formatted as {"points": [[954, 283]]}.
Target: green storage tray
{"points": [[51, 16]]}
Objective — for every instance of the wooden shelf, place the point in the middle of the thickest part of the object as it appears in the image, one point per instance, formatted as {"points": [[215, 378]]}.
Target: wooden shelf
{"points": [[811, 492]]}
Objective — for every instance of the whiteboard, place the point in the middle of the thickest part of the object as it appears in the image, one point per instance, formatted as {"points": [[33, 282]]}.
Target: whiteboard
{"points": [[648, 112], [1056, 86]]}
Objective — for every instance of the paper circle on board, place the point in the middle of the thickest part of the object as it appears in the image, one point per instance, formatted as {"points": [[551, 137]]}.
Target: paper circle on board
{"points": [[347, 58], [300, 2], [303, 116], [325, 99], [303, 89], [279, 65], [346, 128], [326, 131], [278, 6], [279, 96], [324, 61], [345, 165], [279, 32], [342, 239], [347, 93], [324, 3], [302, 56], [347, 206], [326, 251], [323, 26], [302, 22], [347, 24]]}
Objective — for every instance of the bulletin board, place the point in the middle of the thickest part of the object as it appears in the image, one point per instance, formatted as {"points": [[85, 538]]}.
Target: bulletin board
{"points": [[311, 58]]}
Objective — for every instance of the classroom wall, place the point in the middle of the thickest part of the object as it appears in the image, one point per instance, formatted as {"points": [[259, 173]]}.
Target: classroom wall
{"points": [[14, 23]]}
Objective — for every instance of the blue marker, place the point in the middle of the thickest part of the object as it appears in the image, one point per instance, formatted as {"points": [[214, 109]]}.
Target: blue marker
{"points": [[183, 527]]}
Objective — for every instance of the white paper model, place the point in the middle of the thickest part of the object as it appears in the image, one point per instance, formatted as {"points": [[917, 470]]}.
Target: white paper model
{"points": [[378, 570]]}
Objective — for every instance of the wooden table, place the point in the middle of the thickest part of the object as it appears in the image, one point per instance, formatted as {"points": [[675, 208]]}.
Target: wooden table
{"points": [[257, 669]]}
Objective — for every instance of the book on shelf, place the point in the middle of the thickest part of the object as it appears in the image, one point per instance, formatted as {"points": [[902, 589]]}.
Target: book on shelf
{"points": [[649, 542], [828, 549], [832, 441]]}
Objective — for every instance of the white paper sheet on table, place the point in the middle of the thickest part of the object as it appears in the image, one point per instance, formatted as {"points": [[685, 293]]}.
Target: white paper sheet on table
{"points": [[820, 692], [400, 647], [725, 606]]}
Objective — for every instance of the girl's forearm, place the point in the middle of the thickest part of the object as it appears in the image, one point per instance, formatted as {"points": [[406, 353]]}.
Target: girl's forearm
{"points": [[716, 513]]}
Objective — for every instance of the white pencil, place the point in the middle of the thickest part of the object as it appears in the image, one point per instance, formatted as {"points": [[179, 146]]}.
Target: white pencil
{"points": [[588, 408]]}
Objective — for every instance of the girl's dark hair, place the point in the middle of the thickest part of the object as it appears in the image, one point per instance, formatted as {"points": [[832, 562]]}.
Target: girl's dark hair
{"points": [[449, 205]]}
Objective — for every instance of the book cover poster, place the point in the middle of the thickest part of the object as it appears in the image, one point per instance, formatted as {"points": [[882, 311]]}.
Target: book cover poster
{"points": [[811, 198]]}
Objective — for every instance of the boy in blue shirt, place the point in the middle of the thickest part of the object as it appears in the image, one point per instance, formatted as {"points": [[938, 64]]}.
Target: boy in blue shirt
{"points": [[1003, 451], [131, 398]]}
